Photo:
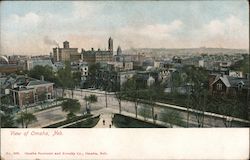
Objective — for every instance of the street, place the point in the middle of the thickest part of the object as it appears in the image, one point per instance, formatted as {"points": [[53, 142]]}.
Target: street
{"points": [[53, 115]]}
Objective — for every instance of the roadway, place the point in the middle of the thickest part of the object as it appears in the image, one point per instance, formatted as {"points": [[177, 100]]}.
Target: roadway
{"points": [[56, 114], [210, 119]]}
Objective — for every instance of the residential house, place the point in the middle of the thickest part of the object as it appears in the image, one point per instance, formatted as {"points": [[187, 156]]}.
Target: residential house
{"points": [[225, 85], [27, 91]]}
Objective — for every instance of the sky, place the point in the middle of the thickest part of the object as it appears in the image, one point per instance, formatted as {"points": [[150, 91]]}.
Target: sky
{"points": [[35, 27]]}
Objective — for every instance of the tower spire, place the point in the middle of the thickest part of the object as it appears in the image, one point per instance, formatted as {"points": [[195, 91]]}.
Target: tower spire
{"points": [[110, 44]]}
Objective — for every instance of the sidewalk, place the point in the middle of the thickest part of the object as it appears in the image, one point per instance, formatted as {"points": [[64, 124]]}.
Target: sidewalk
{"points": [[106, 114], [107, 118]]}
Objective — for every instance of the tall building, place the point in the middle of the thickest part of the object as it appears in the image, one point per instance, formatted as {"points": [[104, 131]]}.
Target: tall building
{"points": [[110, 44], [119, 51], [66, 44], [66, 53], [95, 56]]}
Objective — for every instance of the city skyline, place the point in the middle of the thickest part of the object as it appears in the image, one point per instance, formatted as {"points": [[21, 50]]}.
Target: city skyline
{"points": [[36, 27]]}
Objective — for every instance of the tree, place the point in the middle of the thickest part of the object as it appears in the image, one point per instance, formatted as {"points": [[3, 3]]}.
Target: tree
{"points": [[145, 111], [130, 89], [7, 121], [25, 119], [91, 99], [72, 106], [118, 96], [7, 100], [7, 118], [42, 97], [198, 101], [77, 78], [65, 77], [242, 65], [93, 70], [45, 71], [171, 117], [227, 108], [198, 95], [175, 81]]}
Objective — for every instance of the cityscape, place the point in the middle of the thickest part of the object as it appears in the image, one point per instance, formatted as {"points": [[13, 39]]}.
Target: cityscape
{"points": [[129, 78]]}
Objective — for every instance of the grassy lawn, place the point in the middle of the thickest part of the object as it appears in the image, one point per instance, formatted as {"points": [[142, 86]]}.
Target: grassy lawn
{"points": [[121, 121], [88, 123], [59, 124]]}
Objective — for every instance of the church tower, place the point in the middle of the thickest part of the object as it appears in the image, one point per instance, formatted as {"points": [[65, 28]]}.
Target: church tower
{"points": [[110, 47]]}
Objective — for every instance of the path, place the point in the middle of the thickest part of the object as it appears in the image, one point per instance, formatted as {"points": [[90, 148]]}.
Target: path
{"points": [[106, 115]]}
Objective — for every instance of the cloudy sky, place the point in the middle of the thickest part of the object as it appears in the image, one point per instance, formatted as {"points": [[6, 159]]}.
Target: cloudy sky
{"points": [[36, 27]]}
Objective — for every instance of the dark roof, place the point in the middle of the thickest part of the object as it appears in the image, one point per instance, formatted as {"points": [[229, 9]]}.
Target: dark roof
{"points": [[233, 81], [97, 52], [37, 82], [21, 80]]}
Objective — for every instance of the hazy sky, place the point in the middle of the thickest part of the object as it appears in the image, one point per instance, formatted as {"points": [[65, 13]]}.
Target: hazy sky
{"points": [[35, 27]]}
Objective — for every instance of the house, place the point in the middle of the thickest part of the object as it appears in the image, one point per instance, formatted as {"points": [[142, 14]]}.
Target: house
{"points": [[225, 85], [27, 91], [146, 78]]}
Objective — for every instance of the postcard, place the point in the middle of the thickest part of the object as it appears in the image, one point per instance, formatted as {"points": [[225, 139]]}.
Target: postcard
{"points": [[124, 80]]}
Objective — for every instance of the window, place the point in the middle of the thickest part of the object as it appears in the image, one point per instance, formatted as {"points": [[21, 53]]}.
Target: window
{"points": [[49, 96], [219, 86]]}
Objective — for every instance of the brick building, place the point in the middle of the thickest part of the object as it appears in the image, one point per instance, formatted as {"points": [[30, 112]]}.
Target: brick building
{"points": [[28, 91], [66, 53], [96, 56]]}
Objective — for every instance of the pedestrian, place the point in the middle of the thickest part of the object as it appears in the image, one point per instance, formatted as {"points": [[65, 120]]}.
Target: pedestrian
{"points": [[103, 122], [110, 126]]}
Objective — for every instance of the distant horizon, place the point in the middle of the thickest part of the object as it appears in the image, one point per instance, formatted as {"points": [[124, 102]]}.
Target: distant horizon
{"points": [[40, 54], [35, 27]]}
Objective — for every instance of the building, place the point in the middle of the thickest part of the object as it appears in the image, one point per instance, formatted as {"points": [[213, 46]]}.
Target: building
{"points": [[122, 62], [84, 69], [224, 85], [27, 91], [110, 45], [66, 53], [96, 56], [119, 51], [146, 78], [31, 63], [236, 74], [10, 68], [81, 67]]}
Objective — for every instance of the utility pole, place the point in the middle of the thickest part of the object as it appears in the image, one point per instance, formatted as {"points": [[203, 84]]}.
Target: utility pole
{"points": [[81, 93], [136, 100], [188, 105], [56, 95], [106, 100]]}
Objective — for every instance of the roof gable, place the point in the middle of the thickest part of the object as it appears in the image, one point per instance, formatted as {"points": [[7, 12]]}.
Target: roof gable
{"points": [[224, 80]]}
